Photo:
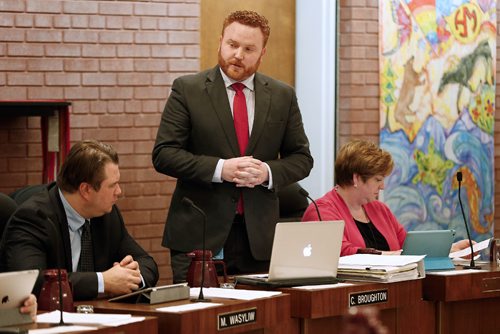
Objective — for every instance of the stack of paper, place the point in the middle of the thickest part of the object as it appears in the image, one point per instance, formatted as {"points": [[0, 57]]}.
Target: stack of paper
{"points": [[381, 268]]}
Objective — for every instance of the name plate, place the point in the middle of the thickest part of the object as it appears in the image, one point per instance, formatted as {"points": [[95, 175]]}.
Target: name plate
{"points": [[238, 318], [369, 297]]}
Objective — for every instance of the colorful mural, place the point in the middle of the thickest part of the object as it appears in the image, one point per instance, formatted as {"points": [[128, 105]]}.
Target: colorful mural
{"points": [[437, 102]]}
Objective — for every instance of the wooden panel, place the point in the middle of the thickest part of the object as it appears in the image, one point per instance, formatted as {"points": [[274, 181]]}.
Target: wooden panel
{"points": [[470, 285], [273, 315], [472, 316], [279, 60], [465, 301], [322, 311], [333, 302]]}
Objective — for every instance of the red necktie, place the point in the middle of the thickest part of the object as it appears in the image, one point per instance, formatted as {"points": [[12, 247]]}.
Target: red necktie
{"points": [[240, 117]]}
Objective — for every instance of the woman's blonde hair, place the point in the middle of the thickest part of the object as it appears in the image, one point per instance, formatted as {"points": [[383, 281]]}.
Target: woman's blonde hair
{"points": [[363, 158]]}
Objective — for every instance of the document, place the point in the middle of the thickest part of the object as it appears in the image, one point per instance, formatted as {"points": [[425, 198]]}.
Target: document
{"points": [[380, 260], [61, 329], [102, 319], [322, 286], [381, 268], [187, 307], [233, 293], [466, 251]]}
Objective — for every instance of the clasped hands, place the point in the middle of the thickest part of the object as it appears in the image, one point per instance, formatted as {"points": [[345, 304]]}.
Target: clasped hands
{"points": [[245, 171], [124, 277]]}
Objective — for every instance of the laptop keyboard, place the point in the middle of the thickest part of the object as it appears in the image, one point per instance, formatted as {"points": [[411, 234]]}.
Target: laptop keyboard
{"points": [[262, 281]]}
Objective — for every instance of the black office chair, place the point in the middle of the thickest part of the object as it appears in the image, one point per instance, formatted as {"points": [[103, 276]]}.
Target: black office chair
{"points": [[7, 208], [22, 194], [9, 203], [292, 203]]}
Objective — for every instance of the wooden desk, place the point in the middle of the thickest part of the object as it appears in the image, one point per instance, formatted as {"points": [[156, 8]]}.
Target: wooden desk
{"points": [[466, 301], [272, 315], [404, 311], [148, 325]]}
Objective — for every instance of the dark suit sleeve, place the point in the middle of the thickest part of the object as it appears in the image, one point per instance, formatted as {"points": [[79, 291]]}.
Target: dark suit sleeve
{"points": [[173, 153], [84, 285], [111, 242], [295, 160], [30, 242], [33, 241]]}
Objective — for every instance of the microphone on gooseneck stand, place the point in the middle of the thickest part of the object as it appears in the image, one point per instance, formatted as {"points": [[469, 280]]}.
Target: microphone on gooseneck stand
{"points": [[59, 279], [186, 201], [304, 193], [472, 263]]}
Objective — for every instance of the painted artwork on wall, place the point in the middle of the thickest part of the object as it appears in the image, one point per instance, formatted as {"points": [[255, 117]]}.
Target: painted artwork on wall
{"points": [[437, 103]]}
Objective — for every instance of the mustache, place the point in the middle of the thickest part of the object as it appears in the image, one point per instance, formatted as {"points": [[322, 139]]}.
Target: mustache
{"points": [[236, 63]]}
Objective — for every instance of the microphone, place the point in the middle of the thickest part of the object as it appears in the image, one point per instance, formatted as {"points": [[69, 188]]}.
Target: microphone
{"points": [[59, 279], [304, 193], [187, 202], [472, 263]]}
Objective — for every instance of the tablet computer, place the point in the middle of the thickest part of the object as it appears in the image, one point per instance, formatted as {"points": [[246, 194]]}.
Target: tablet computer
{"points": [[435, 244]]}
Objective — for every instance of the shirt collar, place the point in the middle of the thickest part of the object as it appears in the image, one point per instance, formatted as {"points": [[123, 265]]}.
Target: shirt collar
{"points": [[248, 82], [75, 221]]}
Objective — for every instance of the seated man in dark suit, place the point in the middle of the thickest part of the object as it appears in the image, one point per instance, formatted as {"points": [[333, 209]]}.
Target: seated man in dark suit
{"points": [[76, 225]]}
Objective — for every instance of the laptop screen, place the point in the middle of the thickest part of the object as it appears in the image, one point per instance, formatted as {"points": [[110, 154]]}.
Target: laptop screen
{"points": [[306, 250]]}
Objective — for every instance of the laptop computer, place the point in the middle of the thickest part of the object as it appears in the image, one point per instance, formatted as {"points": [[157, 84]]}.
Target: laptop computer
{"points": [[435, 244], [15, 287], [302, 254]]}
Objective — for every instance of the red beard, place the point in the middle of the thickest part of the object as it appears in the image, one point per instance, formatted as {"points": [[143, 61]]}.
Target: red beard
{"points": [[235, 70]]}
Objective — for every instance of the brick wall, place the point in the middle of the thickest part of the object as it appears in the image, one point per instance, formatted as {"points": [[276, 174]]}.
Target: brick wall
{"points": [[358, 84], [115, 61], [358, 71]]}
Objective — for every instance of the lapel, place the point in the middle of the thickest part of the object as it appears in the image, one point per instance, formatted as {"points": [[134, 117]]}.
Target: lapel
{"points": [[218, 96], [262, 105], [217, 92]]}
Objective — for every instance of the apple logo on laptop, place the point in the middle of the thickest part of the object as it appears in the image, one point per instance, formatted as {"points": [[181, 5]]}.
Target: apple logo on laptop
{"points": [[5, 299], [307, 251]]}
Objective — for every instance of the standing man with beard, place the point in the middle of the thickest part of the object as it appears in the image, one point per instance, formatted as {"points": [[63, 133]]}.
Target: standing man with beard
{"points": [[232, 137]]}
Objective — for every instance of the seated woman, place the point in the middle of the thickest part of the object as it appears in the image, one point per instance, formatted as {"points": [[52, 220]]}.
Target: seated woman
{"points": [[370, 226]]}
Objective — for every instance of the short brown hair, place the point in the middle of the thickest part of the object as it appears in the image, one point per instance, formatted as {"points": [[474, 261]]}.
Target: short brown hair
{"points": [[85, 163], [363, 158], [249, 18]]}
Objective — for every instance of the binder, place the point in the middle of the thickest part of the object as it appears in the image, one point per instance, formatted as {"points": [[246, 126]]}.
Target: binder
{"points": [[381, 268]]}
